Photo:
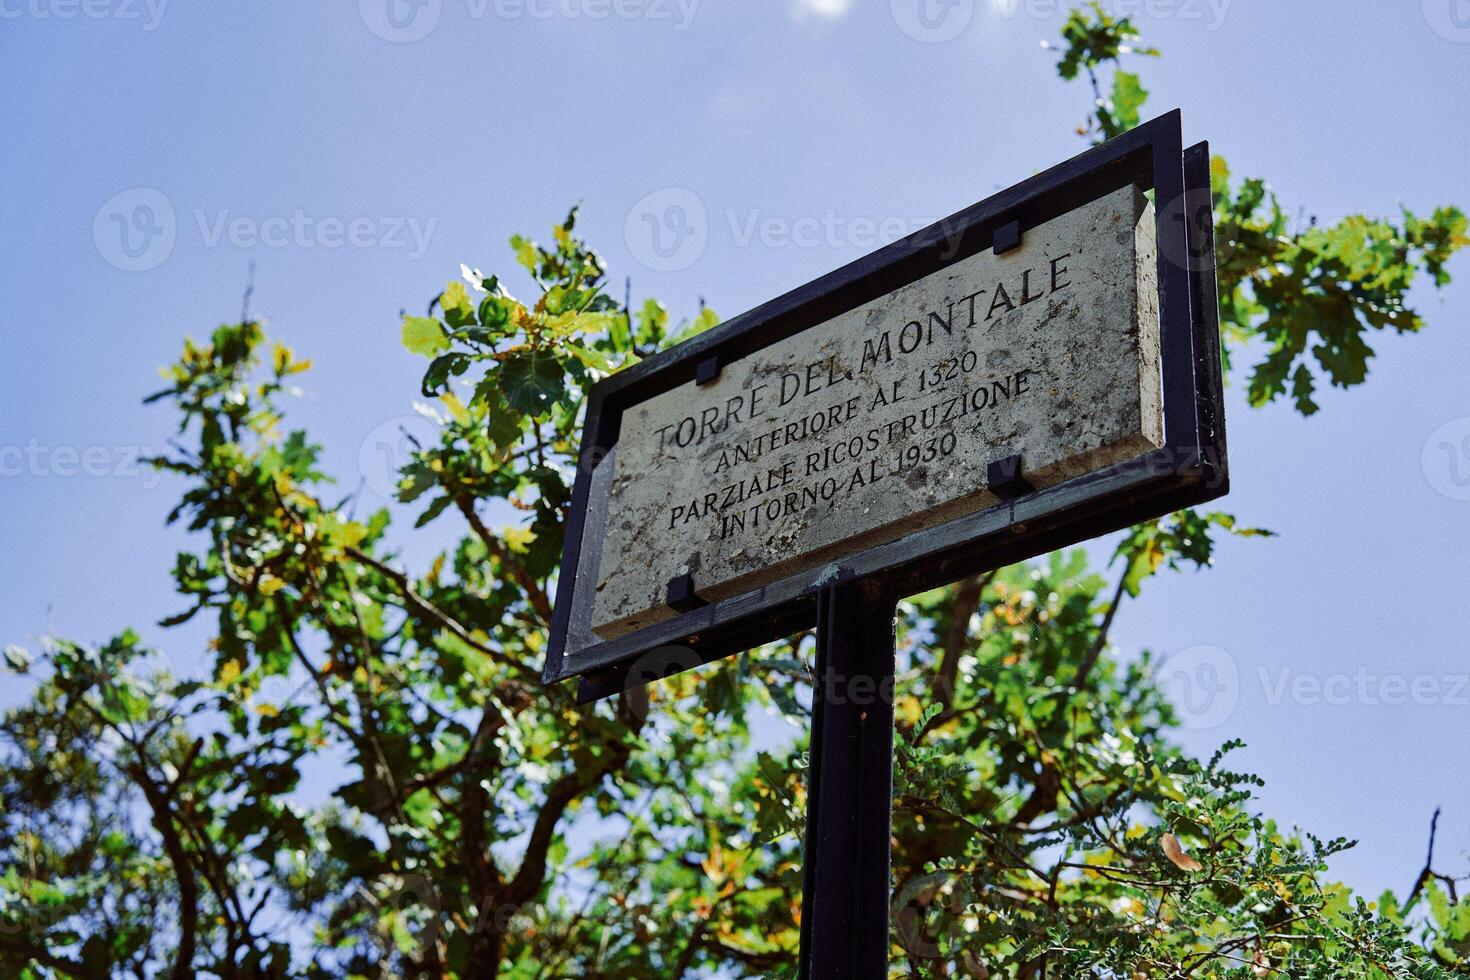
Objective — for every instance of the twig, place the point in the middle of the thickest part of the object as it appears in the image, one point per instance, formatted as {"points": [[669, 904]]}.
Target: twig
{"points": [[534, 593], [249, 289], [1101, 641], [428, 610], [1428, 872]]}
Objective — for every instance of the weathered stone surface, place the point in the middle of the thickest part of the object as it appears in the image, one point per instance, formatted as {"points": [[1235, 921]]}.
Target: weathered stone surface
{"points": [[884, 419]]}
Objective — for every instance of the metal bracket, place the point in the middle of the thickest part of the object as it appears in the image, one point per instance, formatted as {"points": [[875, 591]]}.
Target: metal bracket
{"points": [[708, 370], [1006, 238], [1003, 478], [681, 595]]}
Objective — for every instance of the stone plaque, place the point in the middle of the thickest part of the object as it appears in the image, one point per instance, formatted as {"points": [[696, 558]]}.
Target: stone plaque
{"points": [[883, 420]]}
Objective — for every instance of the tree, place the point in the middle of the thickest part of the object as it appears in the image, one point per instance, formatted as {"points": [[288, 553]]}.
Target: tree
{"points": [[372, 782]]}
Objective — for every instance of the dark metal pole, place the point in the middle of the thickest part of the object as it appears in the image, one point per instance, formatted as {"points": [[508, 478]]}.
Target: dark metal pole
{"points": [[844, 915]]}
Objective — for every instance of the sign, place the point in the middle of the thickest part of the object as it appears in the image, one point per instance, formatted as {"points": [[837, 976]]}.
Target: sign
{"points": [[1035, 370], [885, 419]]}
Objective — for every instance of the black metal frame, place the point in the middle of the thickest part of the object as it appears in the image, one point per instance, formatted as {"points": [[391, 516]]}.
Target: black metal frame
{"points": [[1190, 469]]}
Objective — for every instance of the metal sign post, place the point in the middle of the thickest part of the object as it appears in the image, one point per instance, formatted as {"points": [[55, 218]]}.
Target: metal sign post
{"points": [[1036, 370], [844, 921]]}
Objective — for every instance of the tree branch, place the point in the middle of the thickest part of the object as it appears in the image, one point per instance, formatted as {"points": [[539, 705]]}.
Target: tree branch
{"points": [[1100, 642], [956, 638], [173, 845], [69, 967], [427, 610], [535, 595], [1427, 874]]}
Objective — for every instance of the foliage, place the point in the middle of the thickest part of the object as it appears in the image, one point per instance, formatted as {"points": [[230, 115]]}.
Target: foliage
{"points": [[1307, 294], [1287, 288], [372, 782], [1093, 38]]}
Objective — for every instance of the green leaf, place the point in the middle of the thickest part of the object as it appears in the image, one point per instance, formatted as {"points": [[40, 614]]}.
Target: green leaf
{"points": [[423, 335], [503, 423], [706, 320], [598, 360], [1302, 387], [1128, 98], [434, 509], [532, 380], [495, 312], [441, 369], [527, 255], [459, 310], [414, 479], [651, 320]]}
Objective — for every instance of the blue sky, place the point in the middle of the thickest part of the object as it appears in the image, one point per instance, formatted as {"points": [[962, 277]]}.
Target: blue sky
{"points": [[357, 163]]}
